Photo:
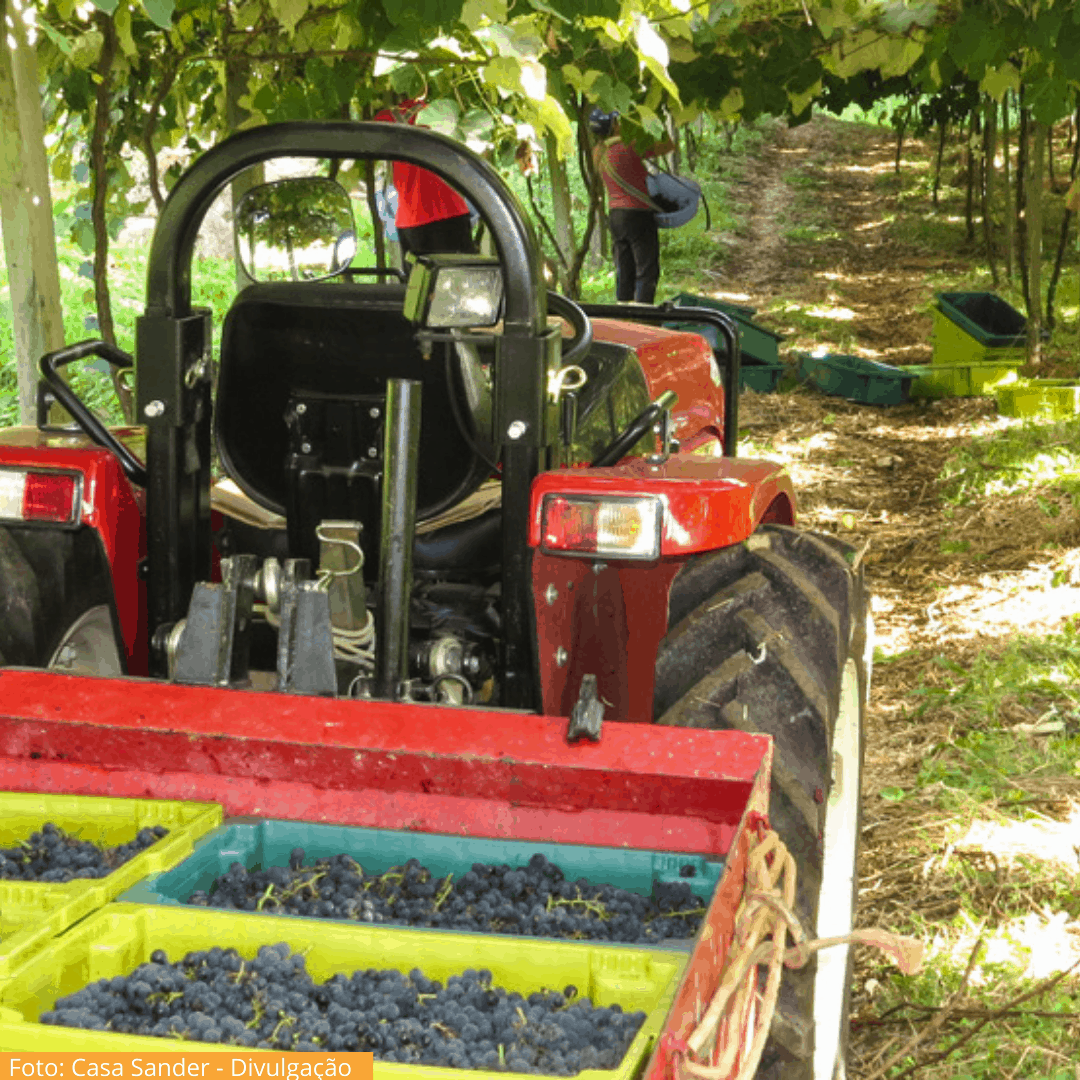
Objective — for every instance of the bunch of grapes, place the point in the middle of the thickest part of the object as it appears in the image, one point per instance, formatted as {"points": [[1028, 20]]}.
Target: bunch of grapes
{"points": [[54, 855], [272, 1002], [535, 900]]}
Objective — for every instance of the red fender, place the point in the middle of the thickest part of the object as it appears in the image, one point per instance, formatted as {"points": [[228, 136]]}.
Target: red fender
{"points": [[608, 619], [112, 507]]}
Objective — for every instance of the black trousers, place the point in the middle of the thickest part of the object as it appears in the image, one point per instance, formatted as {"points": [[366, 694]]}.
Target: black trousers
{"points": [[449, 235], [635, 242]]}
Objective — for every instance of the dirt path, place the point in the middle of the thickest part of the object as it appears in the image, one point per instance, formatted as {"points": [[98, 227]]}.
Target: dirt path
{"points": [[818, 258]]}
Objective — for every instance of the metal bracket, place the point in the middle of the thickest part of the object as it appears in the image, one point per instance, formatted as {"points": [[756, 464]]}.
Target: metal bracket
{"points": [[587, 715], [305, 653], [667, 444], [214, 645]]}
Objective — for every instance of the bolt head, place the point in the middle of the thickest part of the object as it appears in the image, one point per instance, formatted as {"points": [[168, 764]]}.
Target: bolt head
{"points": [[517, 429], [305, 448], [374, 413], [301, 408], [551, 594], [372, 452], [561, 656], [154, 408]]}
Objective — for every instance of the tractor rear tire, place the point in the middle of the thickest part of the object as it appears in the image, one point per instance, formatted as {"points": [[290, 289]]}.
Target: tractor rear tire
{"points": [[56, 607], [774, 636]]}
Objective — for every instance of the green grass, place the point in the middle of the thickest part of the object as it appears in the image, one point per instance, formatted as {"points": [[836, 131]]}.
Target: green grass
{"points": [[1044, 458], [213, 285], [975, 873], [981, 760]]}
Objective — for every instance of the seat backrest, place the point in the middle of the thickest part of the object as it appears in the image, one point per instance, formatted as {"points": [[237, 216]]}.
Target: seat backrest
{"points": [[333, 340]]}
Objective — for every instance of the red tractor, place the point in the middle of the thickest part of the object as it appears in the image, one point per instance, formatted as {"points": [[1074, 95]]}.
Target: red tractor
{"points": [[412, 554]]}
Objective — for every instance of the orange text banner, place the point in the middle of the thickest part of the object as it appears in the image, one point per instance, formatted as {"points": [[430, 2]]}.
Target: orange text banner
{"points": [[203, 1064]]}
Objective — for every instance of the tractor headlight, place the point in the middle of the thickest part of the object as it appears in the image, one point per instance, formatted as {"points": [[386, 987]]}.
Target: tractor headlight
{"points": [[448, 291], [609, 526]]}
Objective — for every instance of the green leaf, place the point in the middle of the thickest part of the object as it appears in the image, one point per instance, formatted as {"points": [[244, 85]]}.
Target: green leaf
{"points": [[289, 12], [160, 12], [503, 72], [539, 5], [999, 79], [441, 116], [893, 794], [86, 49], [650, 121], [474, 12], [123, 32], [54, 35], [82, 233], [108, 6], [265, 99], [476, 128], [552, 117]]}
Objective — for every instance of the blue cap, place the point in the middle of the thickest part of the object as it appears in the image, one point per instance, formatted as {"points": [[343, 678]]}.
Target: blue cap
{"points": [[600, 122]]}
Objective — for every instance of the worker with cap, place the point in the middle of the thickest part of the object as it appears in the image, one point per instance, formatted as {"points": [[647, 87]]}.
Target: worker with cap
{"points": [[631, 213], [431, 217]]}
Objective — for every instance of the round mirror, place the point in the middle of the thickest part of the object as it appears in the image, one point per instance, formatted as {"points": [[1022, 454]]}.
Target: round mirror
{"points": [[295, 230]]}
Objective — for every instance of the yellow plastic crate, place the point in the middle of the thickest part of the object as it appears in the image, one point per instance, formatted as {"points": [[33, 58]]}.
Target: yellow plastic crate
{"points": [[954, 345], [31, 914], [116, 940], [40, 909], [961, 380], [1041, 399]]}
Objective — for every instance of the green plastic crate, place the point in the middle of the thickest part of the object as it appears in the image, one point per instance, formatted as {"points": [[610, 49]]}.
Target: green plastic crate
{"points": [[756, 342], [109, 822], [961, 380], [261, 844], [758, 376], [685, 299], [986, 317], [122, 936], [1040, 399], [856, 379]]}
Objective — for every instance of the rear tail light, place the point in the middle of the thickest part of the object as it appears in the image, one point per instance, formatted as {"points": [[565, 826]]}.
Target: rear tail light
{"points": [[610, 527], [29, 495]]}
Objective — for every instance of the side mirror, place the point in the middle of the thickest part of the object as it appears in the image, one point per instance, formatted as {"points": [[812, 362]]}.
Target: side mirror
{"points": [[295, 230]]}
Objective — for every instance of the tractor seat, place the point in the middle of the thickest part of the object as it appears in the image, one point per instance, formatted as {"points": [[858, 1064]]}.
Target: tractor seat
{"points": [[301, 405]]}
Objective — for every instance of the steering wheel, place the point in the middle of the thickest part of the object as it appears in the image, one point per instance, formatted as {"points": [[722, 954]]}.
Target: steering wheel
{"points": [[625, 441], [581, 324]]}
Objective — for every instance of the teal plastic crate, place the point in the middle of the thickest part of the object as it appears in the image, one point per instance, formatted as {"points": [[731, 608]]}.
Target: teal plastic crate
{"points": [[264, 843], [755, 341], [852, 377], [119, 938]]}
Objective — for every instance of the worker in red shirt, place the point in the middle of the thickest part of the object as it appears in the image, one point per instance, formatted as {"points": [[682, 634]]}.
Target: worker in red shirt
{"points": [[635, 238], [431, 216]]}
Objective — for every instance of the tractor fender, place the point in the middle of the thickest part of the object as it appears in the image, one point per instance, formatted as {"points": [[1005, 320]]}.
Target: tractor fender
{"points": [[679, 361], [608, 618], [708, 503], [110, 505]]}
